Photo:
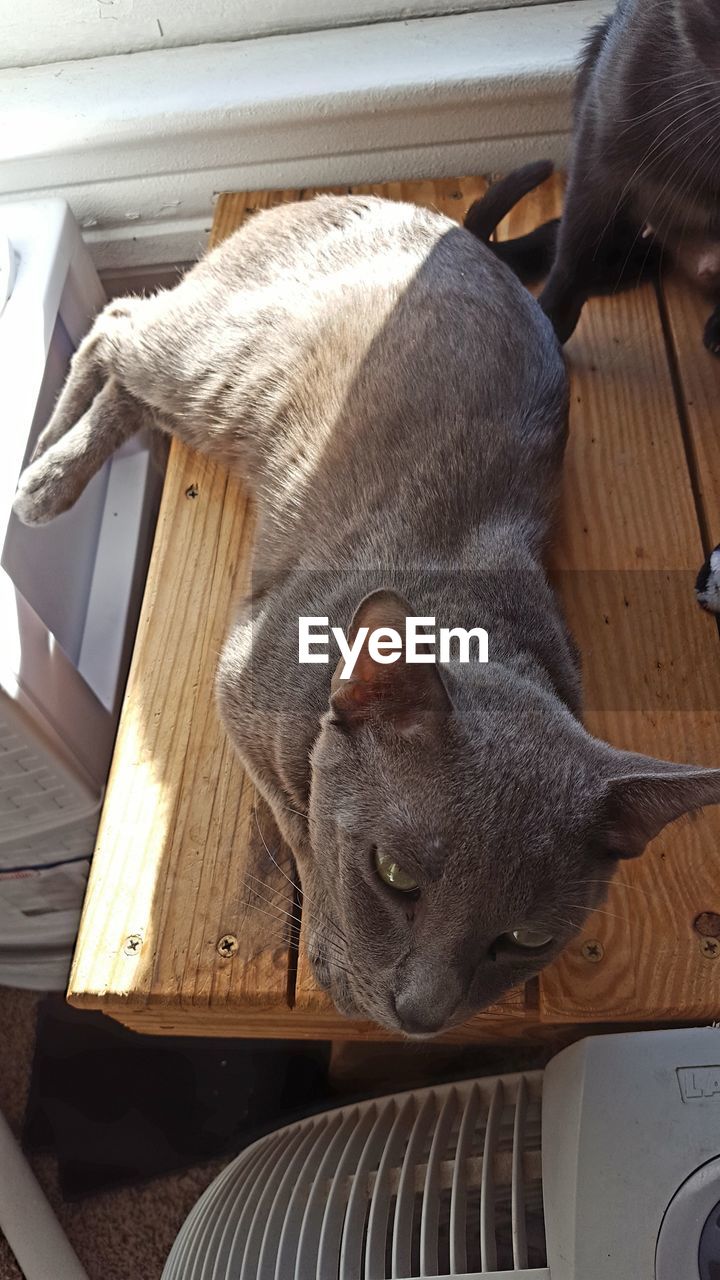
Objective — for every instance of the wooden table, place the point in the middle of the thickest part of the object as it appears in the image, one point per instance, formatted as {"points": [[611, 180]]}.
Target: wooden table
{"points": [[183, 929]]}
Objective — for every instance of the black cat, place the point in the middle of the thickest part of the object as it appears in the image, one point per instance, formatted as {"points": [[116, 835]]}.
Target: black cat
{"points": [[644, 177]]}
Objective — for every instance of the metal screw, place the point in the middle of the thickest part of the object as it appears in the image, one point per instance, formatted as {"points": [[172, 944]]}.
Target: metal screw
{"points": [[132, 944], [227, 946], [192, 491], [710, 948], [593, 950]]}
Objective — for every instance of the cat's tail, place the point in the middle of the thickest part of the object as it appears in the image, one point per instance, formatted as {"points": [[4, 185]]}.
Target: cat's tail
{"points": [[529, 256]]}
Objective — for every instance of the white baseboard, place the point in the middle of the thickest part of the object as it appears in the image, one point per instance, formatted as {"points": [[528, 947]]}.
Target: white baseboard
{"points": [[140, 144]]}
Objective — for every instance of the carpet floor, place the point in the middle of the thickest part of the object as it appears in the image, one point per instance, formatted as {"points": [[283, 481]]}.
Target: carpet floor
{"points": [[116, 1234]]}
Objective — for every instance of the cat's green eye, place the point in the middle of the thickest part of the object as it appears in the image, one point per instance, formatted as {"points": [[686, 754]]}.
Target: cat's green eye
{"points": [[393, 874], [530, 939]]}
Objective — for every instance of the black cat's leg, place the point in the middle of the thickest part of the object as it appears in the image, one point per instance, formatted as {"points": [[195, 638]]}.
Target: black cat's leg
{"points": [[562, 300], [568, 285], [588, 234], [711, 336], [707, 583]]}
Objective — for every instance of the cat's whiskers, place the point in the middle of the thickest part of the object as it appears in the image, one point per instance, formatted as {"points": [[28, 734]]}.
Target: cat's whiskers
{"points": [[657, 144], [272, 915], [696, 133], [339, 935], [299, 812], [595, 911], [273, 859], [686, 73], [291, 934], [333, 947], [337, 964], [290, 880], [558, 921], [275, 905], [296, 886], [271, 889], [650, 154], [673, 209], [305, 897], [623, 884], [685, 92], [657, 141], [667, 183]]}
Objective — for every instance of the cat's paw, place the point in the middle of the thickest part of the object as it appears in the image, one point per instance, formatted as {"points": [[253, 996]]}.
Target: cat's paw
{"points": [[564, 323], [562, 308], [711, 336], [707, 584], [44, 491]]}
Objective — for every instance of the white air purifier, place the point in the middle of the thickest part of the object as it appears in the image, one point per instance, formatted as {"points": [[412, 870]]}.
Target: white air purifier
{"points": [[604, 1167], [70, 594]]}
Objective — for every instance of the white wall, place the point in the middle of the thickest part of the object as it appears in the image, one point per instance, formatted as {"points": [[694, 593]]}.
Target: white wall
{"points": [[139, 144], [42, 31]]}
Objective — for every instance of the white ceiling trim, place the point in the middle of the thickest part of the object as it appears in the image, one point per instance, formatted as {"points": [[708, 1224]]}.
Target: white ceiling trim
{"points": [[140, 143], [59, 30]]}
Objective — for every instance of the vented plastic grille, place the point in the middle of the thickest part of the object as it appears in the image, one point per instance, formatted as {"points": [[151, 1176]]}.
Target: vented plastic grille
{"points": [[65, 844], [36, 794], [438, 1182]]}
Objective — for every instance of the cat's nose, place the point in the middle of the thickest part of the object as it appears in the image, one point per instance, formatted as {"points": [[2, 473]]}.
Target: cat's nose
{"points": [[423, 1011], [417, 1025]]}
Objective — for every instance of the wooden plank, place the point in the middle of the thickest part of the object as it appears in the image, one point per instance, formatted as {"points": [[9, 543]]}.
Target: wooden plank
{"points": [[503, 1030], [699, 385], [163, 889], [451, 196], [233, 207], [625, 558], [328, 1025], [179, 852]]}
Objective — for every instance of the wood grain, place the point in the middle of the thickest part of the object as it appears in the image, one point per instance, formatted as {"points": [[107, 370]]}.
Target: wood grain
{"points": [[178, 834], [699, 390], [182, 857], [625, 558]]}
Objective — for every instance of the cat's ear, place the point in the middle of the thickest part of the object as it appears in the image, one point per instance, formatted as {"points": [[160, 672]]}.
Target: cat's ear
{"points": [[409, 695], [647, 795]]}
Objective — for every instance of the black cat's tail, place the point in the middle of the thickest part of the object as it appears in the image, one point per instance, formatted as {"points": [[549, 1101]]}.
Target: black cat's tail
{"points": [[530, 256]]}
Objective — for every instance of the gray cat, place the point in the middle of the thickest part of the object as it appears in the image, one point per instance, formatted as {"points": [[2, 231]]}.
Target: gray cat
{"points": [[358, 362]]}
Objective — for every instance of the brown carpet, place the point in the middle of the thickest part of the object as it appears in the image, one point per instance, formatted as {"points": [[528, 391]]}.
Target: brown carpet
{"points": [[117, 1234]]}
